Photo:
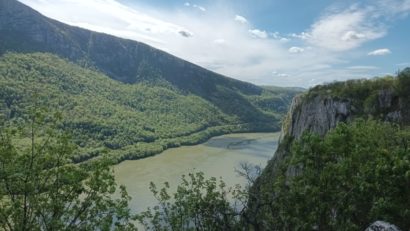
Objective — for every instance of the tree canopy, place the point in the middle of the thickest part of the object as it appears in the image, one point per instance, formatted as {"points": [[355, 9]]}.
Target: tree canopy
{"points": [[356, 174], [42, 189]]}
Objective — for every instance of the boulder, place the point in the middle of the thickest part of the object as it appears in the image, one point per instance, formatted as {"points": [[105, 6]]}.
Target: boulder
{"points": [[382, 226]]}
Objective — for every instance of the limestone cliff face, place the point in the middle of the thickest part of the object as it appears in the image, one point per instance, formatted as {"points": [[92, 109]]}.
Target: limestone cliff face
{"points": [[320, 113], [317, 115]]}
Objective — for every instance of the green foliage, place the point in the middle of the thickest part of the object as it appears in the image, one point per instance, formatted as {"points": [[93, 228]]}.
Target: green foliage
{"points": [[197, 204], [371, 98], [356, 174], [126, 119], [133, 62], [358, 89], [41, 189]]}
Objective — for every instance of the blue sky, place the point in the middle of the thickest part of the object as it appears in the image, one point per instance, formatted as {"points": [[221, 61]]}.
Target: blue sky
{"points": [[266, 42]]}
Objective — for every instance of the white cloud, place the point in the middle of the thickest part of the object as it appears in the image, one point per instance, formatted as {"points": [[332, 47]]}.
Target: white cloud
{"points": [[259, 33], [284, 39], [303, 35], [276, 35], [241, 19], [219, 41], [201, 8], [344, 30], [198, 7], [296, 50], [279, 74], [352, 35], [380, 52]]}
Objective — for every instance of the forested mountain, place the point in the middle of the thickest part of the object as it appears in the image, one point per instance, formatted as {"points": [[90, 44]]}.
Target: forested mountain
{"points": [[121, 94], [24, 30], [135, 120]]}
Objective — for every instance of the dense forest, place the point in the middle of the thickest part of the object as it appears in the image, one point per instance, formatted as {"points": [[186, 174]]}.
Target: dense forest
{"points": [[24, 30], [128, 121]]}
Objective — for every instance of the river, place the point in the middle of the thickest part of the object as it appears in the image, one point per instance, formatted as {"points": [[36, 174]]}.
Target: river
{"points": [[217, 157]]}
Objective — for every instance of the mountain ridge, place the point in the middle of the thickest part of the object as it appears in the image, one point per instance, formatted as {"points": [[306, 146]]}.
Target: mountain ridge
{"points": [[130, 121], [25, 30], [13, 11], [168, 101]]}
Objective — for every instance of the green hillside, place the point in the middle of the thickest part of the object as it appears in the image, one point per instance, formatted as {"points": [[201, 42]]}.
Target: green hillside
{"points": [[131, 120], [24, 30]]}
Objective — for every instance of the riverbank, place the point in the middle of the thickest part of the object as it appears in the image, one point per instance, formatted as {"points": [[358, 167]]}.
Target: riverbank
{"points": [[142, 150]]}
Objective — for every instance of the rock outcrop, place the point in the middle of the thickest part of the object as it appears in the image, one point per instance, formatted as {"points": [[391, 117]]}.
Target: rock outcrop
{"points": [[320, 110], [317, 115], [382, 226], [320, 113]]}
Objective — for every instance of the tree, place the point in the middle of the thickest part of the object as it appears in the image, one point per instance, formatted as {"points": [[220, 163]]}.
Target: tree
{"points": [[357, 174], [197, 204], [42, 189]]}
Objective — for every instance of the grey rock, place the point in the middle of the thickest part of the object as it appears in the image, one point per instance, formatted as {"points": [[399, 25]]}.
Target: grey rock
{"points": [[394, 116], [317, 115], [382, 226], [385, 98]]}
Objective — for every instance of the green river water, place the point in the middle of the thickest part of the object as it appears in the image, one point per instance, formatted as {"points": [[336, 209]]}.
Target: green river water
{"points": [[217, 157]]}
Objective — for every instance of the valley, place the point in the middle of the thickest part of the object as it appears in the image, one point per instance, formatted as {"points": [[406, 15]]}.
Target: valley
{"points": [[99, 132]]}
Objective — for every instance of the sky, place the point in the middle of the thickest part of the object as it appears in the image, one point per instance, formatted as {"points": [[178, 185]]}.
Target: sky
{"points": [[266, 42]]}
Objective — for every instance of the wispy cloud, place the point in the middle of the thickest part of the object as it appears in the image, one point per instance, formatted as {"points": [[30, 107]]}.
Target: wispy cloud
{"points": [[345, 30], [259, 33], [241, 19], [380, 52], [198, 7], [296, 50]]}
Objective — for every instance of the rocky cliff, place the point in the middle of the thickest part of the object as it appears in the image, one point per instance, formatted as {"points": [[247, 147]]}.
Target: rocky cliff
{"points": [[323, 107], [318, 113], [320, 110]]}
